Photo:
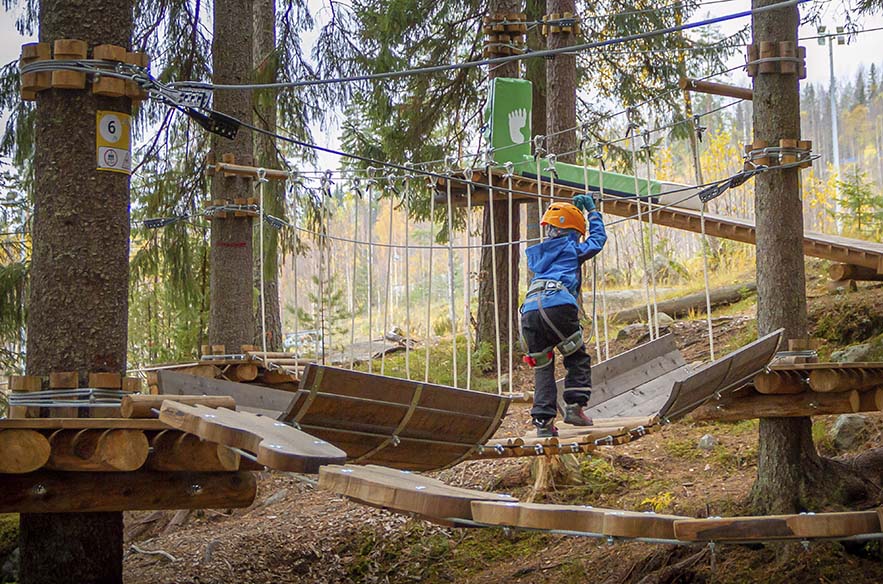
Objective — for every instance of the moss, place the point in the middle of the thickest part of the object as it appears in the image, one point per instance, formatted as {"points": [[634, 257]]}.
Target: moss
{"points": [[682, 448], [847, 320], [600, 477], [8, 533]]}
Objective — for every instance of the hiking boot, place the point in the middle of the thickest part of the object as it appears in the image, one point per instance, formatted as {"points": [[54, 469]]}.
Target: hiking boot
{"points": [[576, 415], [545, 428]]}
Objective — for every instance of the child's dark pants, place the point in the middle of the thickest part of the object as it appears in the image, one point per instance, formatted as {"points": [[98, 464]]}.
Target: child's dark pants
{"points": [[539, 336]]}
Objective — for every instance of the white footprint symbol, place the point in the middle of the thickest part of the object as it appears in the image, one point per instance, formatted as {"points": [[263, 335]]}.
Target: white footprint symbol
{"points": [[517, 121]]}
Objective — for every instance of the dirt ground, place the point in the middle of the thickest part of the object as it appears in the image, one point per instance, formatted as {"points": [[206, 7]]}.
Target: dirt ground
{"points": [[297, 533]]}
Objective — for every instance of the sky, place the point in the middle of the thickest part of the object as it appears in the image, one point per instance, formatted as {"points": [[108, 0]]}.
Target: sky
{"points": [[861, 50]]}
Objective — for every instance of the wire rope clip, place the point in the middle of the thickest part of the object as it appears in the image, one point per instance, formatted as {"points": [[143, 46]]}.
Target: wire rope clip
{"points": [[538, 448], [574, 448], [262, 175], [395, 440], [510, 170], [499, 449], [551, 160]]}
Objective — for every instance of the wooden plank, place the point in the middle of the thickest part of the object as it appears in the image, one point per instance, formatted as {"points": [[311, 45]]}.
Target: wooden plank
{"points": [[172, 383], [404, 492], [62, 492], [64, 380], [22, 451], [575, 518], [97, 450], [142, 406], [648, 398], [172, 450], [803, 526], [82, 423], [24, 384], [636, 524], [274, 444], [721, 376], [777, 406]]}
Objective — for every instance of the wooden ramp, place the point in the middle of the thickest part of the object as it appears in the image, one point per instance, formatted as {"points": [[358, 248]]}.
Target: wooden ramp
{"points": [[636, 391], [404, 492], [830, 247], [374, 419]]}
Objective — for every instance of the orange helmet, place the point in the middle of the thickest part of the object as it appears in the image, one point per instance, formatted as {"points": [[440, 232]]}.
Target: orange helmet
{"points": [[564, 216]]}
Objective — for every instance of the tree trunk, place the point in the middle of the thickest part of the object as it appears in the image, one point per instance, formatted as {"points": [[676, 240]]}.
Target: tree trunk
{"points": [[232, 292], [561, 88], [535, 72], [789, 467], [78, 304], [266, 65], [507, 275]]}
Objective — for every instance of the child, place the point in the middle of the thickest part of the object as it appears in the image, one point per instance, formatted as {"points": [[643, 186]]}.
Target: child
{"points": [[549, 315]]}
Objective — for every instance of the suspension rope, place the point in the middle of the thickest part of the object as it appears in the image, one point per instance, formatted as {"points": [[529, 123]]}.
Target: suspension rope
{"points": [[369, 229], [697, 169], [294, 211], [406, 188], [429, 288], [494, 283], [652, 232], [467, 283], [511, 283], [356, 198], [262, 181], [453, 308], [389, 253], [600, 157], [640, 230]]}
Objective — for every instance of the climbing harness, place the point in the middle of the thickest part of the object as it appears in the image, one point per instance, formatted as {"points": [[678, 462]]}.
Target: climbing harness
{"points": [[568, 345]]}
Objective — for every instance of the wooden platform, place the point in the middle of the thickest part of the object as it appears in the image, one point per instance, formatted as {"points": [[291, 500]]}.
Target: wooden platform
{"points": [[374, 419], [804, 389], [830, 247], [404, 492]]}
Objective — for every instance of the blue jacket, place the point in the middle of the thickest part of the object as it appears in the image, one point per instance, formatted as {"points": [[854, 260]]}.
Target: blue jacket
{"points": [[560, 259]]}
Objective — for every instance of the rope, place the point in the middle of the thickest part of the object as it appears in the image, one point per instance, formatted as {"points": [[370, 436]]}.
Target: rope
{"points": [[369, 228], [600, 157], [697, 168], [262, 181], [406, 189], [389, 253], [652, 238], [511, 283], [467, 287], [492, 217], [453, 308], [353, 285], [638, 201], [429, 287], [294, 272]]}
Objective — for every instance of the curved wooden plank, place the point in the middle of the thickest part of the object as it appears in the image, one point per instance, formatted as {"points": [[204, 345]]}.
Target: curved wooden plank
{"points": [[578, 518], [636, 524], [762, 528], [404, 492], [245, 395], [275, 444], [142, 406]]}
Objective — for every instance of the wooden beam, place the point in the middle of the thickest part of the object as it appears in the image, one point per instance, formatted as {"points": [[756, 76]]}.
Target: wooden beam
{"points": [[142, 406], [172, 383], [711, 88], [579, 518], [81, 424], [275, 444], [61, 492], [22, 451], [871, 400], [172, 450], [97, 450], [804, 526], [778, 406], [228, 169]]}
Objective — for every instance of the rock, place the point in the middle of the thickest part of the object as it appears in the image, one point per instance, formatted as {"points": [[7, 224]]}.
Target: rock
{"points": [[630, 331], [275, 497], [9, 570], [852, 354], [665, 320], [707, 442], [210, 550], [504, 381], [849, 431]]}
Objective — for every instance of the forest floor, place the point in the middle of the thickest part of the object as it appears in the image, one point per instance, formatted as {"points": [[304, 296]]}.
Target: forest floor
{"points": [[297, 533]]}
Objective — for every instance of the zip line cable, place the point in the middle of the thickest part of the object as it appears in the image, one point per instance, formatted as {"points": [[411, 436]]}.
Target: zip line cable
{"points": [[492, 61]]}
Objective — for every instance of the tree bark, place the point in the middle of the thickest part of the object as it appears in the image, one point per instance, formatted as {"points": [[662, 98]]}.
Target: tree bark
{"points": [[561, 88], [231, 322], [535, 72], [78, 306], [266, 65], [507, 275], [789, 468]]}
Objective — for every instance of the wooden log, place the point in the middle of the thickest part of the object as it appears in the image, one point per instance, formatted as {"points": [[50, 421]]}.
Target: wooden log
{"points": [[62, 492], [142, 406], [780, 382], [243, 372], [778, 406], [64, 380], [803, 526], [711, 88], [274, 444], [839, 272], [81, 424], [768, 50], [246, 396], [178, 451], [637, 524], [22, 451], [844, 379], [31, 83], [871, 400], [97, 450], [275, 377], [677, 307]]}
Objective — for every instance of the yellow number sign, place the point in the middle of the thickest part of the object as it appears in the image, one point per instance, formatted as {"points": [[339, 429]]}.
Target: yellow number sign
{"points": [[114, 142]]}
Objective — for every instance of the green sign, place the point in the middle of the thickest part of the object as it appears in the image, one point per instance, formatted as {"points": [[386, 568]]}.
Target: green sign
{"points": [[508, 118]]}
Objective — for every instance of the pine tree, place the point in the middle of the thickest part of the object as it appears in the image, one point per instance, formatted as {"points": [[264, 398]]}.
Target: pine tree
{"points": [[328, 315], [860, 205], [861, 96], [872, 81]]}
